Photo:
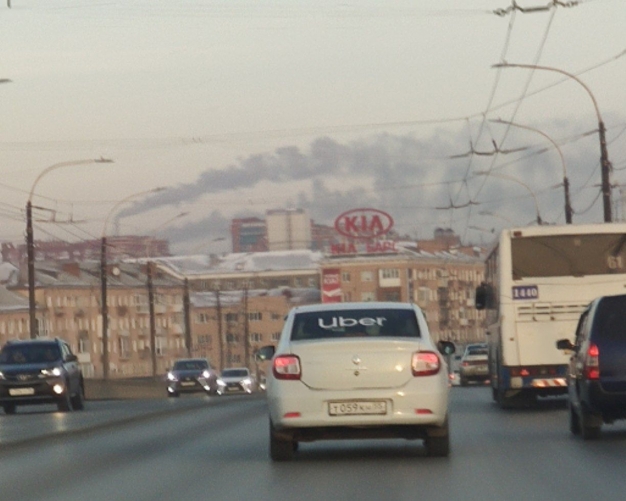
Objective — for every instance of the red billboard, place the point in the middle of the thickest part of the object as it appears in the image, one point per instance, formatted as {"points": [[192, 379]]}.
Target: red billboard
{"points": [[331, 285]]}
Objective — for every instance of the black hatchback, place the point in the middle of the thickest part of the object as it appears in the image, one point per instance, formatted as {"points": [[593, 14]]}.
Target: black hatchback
{"points": [[40, 371], [597, 370]]}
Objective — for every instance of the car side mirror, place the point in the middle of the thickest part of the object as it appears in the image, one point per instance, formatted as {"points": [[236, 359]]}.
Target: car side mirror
{"points": [[565, 344], [72, 358], [446, 347], [264, 353]]}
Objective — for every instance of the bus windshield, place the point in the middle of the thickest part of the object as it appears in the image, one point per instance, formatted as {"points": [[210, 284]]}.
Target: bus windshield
{"points": [[568, 255]]}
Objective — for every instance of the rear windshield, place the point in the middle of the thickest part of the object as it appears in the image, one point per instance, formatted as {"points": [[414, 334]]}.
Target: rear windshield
{"points": [[610, 320], [234, 373], [478, 350], [355, 323], [190, 365], [29, 354]]}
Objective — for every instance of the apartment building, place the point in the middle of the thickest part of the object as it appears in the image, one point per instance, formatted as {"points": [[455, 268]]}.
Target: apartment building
{"points": [[68, 300], [228, 327], [443, 284]]}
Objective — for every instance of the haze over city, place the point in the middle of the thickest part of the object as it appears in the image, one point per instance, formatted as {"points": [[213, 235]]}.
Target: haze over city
{"points": [[237, 107]]}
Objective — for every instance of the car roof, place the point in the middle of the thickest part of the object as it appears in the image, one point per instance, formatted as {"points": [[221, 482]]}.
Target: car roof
{"points": [[363, 305], [18, 342]]}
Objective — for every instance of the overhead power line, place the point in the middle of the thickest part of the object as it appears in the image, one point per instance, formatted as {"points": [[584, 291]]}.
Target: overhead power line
{"points": [[532, 10]]}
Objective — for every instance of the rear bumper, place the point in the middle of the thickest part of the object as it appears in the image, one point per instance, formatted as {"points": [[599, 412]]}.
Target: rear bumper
{"points": [[306, 412], [612, 405]]}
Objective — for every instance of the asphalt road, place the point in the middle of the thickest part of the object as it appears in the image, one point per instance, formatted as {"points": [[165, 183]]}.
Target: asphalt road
{"points": [[216, 449]]}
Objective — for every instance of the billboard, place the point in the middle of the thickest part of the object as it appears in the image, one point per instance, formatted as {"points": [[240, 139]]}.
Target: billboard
{"points": [[331, 285]]}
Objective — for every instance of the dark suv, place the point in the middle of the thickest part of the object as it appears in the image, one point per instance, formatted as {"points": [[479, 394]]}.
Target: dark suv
{"points": [[597, 370], [40, 371]]}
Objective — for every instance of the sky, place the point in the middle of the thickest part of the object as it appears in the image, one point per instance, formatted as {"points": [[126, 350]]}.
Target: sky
{"points": [[235, 107]]}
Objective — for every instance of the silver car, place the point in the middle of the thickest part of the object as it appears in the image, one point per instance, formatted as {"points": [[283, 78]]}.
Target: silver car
{"points": [[236, 380]]}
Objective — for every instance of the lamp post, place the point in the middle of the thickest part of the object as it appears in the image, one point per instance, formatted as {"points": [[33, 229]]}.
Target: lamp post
{"points": [[103, 280], [604, 156], [568, 205], [511, 178], [30, 242]]}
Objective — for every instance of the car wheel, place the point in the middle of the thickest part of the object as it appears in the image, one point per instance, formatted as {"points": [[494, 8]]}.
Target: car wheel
{"points": [[574, 421], [64, 404], [463, 381], [439, 445], [589, 427], [172, 394], [280, 449], [494, 394], [9, 408], [78, 400]]}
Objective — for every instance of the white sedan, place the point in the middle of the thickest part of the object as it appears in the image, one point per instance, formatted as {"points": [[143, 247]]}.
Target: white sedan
{"points": [[357, 370]]}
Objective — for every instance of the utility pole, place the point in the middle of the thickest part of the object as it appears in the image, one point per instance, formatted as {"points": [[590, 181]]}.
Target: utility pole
{"points": [[30, 250], [152, 323], [219, 327], [187, 314], [246, 329], [104, 308]]}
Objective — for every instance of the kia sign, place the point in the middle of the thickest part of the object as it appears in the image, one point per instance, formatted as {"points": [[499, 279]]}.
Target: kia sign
{"points": [[331, 286], [363, 224]]}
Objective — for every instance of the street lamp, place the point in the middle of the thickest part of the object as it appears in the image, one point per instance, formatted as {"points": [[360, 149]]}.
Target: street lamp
{"points": [[30, 242], [604, 156], [511, 178], [103, 280], [568, 206]]}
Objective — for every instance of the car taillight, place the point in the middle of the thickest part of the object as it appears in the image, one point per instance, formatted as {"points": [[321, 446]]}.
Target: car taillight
{"points": [[592, 362], [425, 363], [287, 367]]}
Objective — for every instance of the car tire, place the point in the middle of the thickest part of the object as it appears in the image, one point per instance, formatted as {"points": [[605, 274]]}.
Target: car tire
{"points": [[439, 445], [172, 394], [281, 449], [9, 408], [78, 400], [64, 404], [463, 381], [589, 429], [574, 420]]}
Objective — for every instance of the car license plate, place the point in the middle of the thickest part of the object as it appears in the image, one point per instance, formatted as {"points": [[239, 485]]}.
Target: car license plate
{"points": [[18, 392], [187, 383], [355, 408]]}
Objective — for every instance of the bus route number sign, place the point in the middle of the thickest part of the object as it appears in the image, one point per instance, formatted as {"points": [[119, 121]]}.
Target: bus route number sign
{"points": [[521, 292]]}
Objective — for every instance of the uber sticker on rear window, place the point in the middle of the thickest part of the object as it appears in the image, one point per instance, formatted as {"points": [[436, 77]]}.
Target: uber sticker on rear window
{"points": [[525, 292]]}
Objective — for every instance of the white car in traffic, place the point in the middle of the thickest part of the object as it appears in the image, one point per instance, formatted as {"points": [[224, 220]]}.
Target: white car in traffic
{"points": [[357, 370]]}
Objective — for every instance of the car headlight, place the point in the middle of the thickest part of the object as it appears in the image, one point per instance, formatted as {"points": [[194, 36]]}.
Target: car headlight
{"points": [[55, 372], [221, 383], [206, 374], [246, 381], [1, 375], [171, 377]]}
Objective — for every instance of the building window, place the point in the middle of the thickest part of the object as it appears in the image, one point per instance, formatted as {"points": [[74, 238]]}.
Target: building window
{"points": [[256, 338], [345, 276], [202, 318], [255, 316], [276, 336], [390, 273], [368, 296], [231, 317], [367, 276]]}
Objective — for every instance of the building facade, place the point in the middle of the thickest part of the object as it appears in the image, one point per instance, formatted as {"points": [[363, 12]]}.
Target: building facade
{"points": [[442, 285]]}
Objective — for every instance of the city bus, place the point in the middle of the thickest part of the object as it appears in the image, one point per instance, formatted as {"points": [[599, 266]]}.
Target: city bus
{"points": [[538, 280]]}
